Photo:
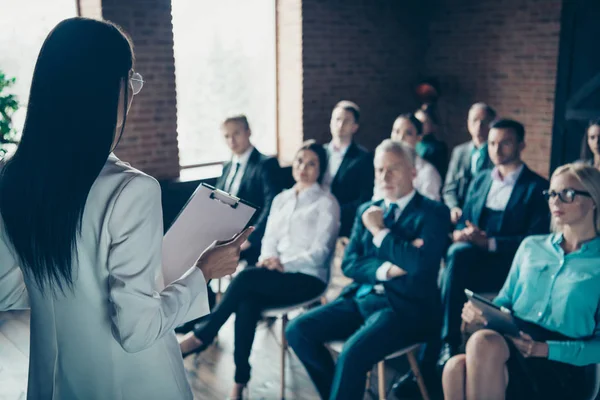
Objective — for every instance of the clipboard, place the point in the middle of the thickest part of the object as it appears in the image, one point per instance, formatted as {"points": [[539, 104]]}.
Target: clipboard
{"points": [[210, 214]]}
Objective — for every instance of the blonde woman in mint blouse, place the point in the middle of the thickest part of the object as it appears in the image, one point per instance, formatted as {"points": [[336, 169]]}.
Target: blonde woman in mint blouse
{"points": [[554, 290]]}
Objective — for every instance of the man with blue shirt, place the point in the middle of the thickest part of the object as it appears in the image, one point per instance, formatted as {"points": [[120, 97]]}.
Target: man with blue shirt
{"points": [[393, 257], [502, 207]]}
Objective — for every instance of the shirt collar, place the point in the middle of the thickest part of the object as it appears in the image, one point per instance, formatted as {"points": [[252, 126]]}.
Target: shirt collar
{"points": [[594, 244], [309, 191], [402, 202], [341, 151], [509, 179], [243, 159]]}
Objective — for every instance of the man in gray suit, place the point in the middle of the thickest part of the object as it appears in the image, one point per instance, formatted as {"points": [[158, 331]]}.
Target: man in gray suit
{"points": [[468, 159]]}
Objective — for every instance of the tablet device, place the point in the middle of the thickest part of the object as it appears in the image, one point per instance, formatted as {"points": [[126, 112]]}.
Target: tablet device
{"points": [[499, 319]]}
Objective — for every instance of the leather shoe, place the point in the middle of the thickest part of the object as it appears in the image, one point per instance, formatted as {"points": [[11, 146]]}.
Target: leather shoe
{"points": [[407, 387], [447, 352]]}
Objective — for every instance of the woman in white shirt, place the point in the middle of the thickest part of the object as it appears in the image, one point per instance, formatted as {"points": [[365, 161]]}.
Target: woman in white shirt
{"points": [[408, 130], [81, 233], [293, 266]]}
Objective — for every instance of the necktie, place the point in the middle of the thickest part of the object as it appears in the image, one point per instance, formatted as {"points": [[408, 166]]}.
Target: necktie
{"points": [[479, 158], [389, 218], [235, 172]]}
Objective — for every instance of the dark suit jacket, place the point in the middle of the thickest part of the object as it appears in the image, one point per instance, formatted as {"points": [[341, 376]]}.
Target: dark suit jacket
{"points": [[459, 175], [526, 213], [353, 184], [259, 186], [435, 151], [417, 290]]}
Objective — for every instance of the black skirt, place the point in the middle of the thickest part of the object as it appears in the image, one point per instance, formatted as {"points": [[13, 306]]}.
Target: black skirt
{"points": [[540, 378]]}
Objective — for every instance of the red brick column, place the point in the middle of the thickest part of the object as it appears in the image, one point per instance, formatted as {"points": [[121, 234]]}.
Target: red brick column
{"points": [[150, 139]]}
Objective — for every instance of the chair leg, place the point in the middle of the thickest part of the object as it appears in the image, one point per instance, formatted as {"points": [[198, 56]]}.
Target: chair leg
{"points": [[414, 366], [284, 345], [381, 380], [368, 383]]}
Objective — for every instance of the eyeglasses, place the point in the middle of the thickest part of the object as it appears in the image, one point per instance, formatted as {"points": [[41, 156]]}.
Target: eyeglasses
{"points": [[566, 195], [137, 83]]}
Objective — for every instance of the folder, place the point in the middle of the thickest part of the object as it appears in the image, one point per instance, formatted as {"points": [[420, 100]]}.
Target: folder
{"points": [[210, 214]]}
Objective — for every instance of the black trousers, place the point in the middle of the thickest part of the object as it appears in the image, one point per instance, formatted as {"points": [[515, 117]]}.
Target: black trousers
{"points": [[468, 267], [371, 330], [251, 257], [252, 291]]}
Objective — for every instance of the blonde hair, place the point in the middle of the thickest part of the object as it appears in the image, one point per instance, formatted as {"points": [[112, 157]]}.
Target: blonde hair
{"points": [[589, 177]]}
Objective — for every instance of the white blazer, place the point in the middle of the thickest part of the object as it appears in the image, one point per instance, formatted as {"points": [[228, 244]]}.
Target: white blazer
{"points": [[112, 336]]}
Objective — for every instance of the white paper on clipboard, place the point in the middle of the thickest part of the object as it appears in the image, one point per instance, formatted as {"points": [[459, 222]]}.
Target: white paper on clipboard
{"points": [[210, 214]]}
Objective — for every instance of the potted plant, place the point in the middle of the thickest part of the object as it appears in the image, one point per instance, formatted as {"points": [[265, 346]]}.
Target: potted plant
{"points": [[8, 106]]}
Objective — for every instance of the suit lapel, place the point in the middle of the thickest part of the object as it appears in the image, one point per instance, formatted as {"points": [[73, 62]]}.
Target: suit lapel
{"points": [[480, 203], [405, 221], [223, 178], [466, 160], [346, 161], [248, 171], [518, 193]]}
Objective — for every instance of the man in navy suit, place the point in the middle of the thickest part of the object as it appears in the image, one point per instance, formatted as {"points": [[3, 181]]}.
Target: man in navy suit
{"points": [[502, 207], [349, 172], [393, 257], [250, 175]]}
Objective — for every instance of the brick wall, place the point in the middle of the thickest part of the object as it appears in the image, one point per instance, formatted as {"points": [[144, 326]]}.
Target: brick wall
{"points": [[501, 52], [150, 139], [367, 51]]}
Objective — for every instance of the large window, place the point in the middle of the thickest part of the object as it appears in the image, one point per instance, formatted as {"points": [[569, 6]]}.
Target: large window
{"points": [[224, 66], [25, 26]]}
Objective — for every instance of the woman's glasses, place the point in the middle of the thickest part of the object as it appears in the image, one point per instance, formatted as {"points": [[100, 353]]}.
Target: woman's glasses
{"points": [[137, 82], [566, 195]]}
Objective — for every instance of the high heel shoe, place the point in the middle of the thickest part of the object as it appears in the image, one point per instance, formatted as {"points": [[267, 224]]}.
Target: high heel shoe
{"points": [[198, 349]]}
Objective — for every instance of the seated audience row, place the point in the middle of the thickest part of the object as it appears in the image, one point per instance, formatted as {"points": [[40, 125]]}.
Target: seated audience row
{"points": [[397, 242]]}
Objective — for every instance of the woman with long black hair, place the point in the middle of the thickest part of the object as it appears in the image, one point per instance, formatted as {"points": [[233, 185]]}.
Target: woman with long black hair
{"points": [[81, 233]]}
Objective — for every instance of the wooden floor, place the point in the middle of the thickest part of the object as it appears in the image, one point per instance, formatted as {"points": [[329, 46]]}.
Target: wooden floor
{"points": [[210, 373]]}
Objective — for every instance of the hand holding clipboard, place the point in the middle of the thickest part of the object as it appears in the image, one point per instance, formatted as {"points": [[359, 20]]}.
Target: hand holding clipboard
{"points": [[203, 227], [222, 257]]}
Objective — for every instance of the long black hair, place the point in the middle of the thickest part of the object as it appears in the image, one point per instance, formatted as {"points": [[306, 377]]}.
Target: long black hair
{"points": [[586, 152], [69, 131]]}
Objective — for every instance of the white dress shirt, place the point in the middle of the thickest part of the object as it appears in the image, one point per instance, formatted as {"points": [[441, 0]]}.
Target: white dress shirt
{"points": [[335, 156], [111, 336], [243, 161], [382, 271], [499, 194], [301, 231], [501, 188], [428, 181]]}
